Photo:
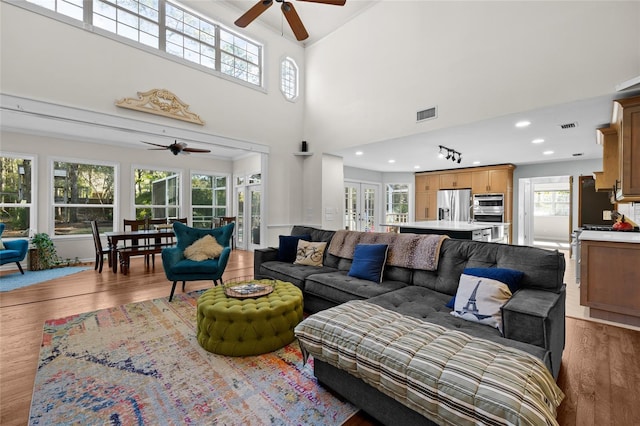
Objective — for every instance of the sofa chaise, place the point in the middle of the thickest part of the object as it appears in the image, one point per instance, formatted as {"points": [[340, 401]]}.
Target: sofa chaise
{"points": [[533, 319]]}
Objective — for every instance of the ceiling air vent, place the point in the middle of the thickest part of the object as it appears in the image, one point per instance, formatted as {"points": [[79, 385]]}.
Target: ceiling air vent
{"points": [[566, 126], [427, 114]]}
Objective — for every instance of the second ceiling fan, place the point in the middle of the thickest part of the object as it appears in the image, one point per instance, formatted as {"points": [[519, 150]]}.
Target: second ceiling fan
{"points": [[289, 12]]}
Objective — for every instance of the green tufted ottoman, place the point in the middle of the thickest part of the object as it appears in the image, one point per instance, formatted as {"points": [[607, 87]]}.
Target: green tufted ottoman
{"points": [[241, 327]]}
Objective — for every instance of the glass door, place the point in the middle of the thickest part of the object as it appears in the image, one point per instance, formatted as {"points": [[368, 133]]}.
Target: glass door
{"points": [[239, 231], [361, 207]]}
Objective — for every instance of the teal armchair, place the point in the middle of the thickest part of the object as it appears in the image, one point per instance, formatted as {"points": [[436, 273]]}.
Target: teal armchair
{"points": [[178, 268], [14, 250]]}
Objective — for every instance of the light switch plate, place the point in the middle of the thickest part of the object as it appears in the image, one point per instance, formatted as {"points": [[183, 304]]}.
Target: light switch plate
{"points": [[606, 215]]}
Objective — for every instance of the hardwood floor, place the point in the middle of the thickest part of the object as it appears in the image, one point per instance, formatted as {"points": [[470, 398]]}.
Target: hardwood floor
{"points": [[600, 371]]}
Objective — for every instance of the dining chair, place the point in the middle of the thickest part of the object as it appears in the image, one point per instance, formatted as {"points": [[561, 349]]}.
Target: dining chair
{"points": [[225, 220], [100, 251], [137, 247]]}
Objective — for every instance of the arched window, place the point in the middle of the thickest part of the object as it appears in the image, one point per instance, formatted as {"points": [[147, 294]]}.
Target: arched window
{"points": [[289, 79]]}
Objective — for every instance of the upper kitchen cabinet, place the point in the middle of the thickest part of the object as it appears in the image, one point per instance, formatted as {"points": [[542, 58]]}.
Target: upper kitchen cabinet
{"points": [[497, 180], [626, 120], [458, 180], [606, 179], [427, 182]]}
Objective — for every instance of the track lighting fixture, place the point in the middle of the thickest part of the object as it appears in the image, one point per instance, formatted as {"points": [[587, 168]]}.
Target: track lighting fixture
{"points": [[452, 154]]}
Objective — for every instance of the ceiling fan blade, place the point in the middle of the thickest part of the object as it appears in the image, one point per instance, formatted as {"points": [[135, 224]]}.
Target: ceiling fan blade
{"points": [[195, 150], [155, 144], [294, 21], [333, 2], [253, 13]]}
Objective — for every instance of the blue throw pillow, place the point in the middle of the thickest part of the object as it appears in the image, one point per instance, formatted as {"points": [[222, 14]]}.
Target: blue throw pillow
{"points": [[510, 277], [288, 247], [368, 262]]}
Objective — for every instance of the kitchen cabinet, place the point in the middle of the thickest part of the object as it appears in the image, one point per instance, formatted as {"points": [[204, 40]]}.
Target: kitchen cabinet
{"points": [[609, 277], [455, 180], [496, 181], [626, 120], [426, 205], [427, 182], [606, 179]]}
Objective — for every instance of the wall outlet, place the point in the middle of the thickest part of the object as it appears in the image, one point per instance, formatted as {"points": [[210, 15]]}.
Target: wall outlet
{"points": [[606, 215]]}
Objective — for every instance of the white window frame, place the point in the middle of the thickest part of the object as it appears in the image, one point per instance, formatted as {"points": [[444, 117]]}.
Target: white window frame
{"points": [[51, 189], [180, 206], [288, 84], [228, 194], [33, 205]]}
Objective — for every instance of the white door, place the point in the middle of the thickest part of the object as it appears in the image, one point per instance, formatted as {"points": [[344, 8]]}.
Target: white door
{"points": [[361, 207], [248, 207]]}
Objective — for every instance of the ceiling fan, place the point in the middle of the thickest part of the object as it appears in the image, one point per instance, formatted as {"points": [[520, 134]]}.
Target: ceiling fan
{"points": [[176, 148], [289, 12]]}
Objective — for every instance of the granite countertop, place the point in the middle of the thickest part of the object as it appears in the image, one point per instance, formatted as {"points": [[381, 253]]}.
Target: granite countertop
{"points": [[612, 236], [447, 225]]}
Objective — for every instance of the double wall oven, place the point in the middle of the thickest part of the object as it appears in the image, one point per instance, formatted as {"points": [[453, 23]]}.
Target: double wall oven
{"points": [[488, 207]]}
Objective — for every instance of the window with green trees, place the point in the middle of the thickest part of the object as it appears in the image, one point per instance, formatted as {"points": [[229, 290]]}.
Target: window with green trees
{"points": [[157, 194], [16, 202], [208, 198], [82, 192]]}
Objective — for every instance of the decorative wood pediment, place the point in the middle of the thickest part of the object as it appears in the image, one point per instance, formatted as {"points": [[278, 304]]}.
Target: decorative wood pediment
{"points": [[161, 102]]}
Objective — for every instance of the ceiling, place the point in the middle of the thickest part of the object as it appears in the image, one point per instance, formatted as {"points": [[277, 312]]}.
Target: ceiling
{"points": [[494, 141], [319, 19]]}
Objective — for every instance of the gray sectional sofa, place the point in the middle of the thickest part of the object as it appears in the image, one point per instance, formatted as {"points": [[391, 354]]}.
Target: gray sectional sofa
{"points": [[533, 319]]}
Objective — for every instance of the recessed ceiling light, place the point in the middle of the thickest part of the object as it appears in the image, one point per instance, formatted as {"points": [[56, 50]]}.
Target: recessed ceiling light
{"points": [[548, 152], [416, 167], [476, 162], [392, 161], [359, 152], [539, 140], [523, 123]]}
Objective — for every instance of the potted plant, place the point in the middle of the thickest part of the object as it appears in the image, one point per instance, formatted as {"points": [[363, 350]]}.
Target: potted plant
{"points": [[43, 254]]}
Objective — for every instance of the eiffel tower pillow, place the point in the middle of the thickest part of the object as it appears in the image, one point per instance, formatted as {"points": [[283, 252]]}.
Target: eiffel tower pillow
{"points": [[482, 292]]}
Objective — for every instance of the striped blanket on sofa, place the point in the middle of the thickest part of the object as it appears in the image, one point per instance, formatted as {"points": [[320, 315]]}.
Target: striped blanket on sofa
{"points": [[445, 375]]}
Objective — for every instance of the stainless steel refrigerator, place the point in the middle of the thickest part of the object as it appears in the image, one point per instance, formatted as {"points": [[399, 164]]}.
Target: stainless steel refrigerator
{"points": [[454, 204]]}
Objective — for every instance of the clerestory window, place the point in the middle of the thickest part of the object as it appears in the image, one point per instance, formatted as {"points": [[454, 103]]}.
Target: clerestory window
{"points": [[289, 78], [172, 28]]}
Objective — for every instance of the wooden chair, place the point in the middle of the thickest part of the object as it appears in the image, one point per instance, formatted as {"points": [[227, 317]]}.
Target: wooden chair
{"points": [[225, 220], [138, 247], [100, 251]]}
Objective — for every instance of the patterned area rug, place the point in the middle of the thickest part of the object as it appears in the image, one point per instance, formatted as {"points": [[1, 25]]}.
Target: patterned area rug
{"points": [[140, 363]]}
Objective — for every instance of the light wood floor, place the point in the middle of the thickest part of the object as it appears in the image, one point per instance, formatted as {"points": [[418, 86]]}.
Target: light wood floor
{"points": [[600, 372]]}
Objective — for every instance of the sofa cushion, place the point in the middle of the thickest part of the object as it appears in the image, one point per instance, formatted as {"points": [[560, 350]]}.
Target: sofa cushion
{"points": [[338, 287], [368, 262], [288, 246], [310, 253], [291, 273], [429, 305]]}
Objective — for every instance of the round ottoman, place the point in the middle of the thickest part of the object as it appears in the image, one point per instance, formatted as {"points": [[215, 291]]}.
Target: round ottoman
{"points": [[241, 327]]}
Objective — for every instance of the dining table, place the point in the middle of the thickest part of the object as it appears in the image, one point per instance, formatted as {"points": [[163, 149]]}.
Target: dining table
{"points": [[153, 239]]}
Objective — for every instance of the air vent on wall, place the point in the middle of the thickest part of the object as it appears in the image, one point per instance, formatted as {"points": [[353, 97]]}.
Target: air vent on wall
{"points": [[569, 125], [427, 114]]}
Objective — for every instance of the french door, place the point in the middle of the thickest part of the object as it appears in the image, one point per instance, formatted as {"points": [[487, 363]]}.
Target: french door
{"points": [[248, 222], [361, 211]]}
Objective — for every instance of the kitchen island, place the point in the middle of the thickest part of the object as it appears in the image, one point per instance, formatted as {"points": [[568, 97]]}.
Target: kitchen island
{"points": [[479, 231], [609, 275]]}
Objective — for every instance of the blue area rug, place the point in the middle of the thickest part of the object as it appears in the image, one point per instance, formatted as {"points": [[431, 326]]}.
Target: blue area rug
{"points": [[17, 280]]}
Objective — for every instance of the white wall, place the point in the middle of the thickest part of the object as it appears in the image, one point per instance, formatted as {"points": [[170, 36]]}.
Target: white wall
{"points": [[47, 60]]}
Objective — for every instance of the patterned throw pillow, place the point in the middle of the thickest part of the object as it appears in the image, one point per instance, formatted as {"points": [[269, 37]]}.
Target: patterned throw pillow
{"points": [[310, 253], [205, 248], [482, 292]]}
